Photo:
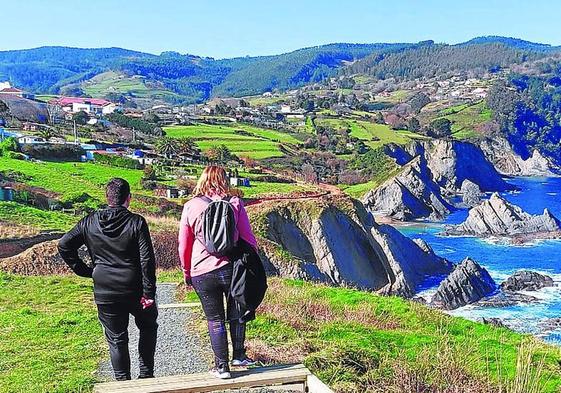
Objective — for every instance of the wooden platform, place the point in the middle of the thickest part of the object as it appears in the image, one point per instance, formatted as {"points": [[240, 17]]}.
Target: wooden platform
{"points": [[204, 382]]}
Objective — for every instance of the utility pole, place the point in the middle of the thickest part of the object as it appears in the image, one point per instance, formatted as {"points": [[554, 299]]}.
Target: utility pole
{"points": [[75, 133], [133, 135]]}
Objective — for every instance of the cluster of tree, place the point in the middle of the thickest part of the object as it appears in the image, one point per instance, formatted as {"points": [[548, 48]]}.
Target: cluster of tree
{"points": [[221, 154], [337, 141], [9, 148], [139, 125], [528, 110], [428, 60], [374, 164], [173, 147]]}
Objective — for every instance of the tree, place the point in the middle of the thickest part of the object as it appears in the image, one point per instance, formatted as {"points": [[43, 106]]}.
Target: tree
{"points": [[186, 145], [81, 117], [46, 133], [166, 146], [309, 173], [440, 128], [413, 125]]}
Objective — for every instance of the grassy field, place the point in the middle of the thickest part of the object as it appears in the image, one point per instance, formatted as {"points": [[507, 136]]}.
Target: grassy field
{"points": [[112, 82], [260, 144], [357, 341], [50, 339], [466, 118], [373, 134], [41, 219]]}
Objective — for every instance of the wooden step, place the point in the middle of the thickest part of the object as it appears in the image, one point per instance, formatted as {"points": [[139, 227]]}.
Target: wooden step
{"points": [[204, 382]]}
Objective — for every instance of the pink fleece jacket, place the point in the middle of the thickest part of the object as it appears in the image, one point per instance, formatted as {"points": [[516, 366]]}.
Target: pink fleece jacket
{"points": [[195, 259]]}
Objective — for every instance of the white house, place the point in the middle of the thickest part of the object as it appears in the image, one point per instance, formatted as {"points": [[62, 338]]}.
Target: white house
{"points": [[31, 140], [92, 106]]}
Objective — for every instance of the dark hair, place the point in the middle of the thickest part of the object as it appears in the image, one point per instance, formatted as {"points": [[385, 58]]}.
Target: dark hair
{"points": [[117, 191]]}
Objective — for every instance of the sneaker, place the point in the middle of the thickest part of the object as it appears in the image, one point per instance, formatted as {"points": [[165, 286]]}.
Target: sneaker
{"points": [[222, 372], [245, 362]]}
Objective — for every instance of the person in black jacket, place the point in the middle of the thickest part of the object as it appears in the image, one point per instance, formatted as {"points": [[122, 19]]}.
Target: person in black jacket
{"points": [[124, 276]]}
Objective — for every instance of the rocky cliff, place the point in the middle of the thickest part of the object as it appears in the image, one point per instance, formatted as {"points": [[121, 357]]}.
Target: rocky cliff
{"points": [[433, 171], [526, 280], [498, 217], [336, 241], [499, 151], [410, 194], [468, 283]]}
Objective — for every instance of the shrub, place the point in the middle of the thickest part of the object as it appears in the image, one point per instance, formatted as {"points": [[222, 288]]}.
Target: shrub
{"points": [[165, 249], [117, 161], [55, 152]]}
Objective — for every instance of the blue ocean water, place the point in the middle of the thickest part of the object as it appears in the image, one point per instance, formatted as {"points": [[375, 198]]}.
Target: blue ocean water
{"points": [[502, 259]]}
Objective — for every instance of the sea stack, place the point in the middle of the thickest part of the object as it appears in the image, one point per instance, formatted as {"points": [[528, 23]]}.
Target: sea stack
{"points": [[498, 217], [468, 283]]}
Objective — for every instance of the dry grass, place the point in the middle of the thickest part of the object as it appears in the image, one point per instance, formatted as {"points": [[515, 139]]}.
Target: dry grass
{"points": [[10, 230]]}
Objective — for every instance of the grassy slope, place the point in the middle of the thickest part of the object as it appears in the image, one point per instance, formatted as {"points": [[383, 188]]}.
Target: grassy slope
{"points": [[355, 341], [27, 215], [366, 131], [112, 82], [261, 144], [466, 119], [50, 339], [334, 326]]}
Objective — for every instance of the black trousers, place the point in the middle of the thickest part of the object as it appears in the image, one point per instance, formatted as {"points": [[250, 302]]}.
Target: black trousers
{"points": [[115, 320], [212, 288]]}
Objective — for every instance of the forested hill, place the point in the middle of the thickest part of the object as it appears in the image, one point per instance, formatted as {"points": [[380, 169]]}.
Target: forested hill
{"points": [[120, 73], [190, 78], [429, 59]]}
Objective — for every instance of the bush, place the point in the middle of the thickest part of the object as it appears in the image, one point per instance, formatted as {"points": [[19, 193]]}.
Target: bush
{"points": [[54, 152], [8, 145], [165, 249], [117, 161]]}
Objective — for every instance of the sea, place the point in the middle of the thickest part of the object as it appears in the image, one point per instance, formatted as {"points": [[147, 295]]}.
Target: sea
{"points": [[502, 258]]}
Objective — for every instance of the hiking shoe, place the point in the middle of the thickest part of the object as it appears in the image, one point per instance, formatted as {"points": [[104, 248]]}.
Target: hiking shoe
{"points": [[222, 372], [245, 362]]}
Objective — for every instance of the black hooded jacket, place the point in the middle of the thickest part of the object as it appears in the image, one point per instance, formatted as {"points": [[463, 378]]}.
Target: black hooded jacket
{"points": [[120, 247]]}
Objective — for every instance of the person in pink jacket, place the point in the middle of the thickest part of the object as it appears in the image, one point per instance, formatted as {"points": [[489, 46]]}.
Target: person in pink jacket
{"points": [[211, 275]]}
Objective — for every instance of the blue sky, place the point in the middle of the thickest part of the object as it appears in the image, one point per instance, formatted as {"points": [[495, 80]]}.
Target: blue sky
{"points": [[221, 28]]}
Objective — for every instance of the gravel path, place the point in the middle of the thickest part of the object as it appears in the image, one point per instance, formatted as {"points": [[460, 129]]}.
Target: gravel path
{"points": [[177, 351]]}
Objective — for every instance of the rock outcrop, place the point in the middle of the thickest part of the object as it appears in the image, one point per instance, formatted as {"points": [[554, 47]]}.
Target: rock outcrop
{"points": [[471, 193], [452, 162], [468, 283], [526, 280], [498, 217], [499, 151], [336, 241], [431, 172], [409, 195]]}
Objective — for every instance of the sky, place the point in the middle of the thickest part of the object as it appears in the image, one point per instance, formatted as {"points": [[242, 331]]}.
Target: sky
{"points": [[230, 28]]}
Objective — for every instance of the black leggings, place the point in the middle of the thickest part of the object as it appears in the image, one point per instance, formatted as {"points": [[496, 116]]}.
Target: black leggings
{"points": [[115, 320], [212, 287]]}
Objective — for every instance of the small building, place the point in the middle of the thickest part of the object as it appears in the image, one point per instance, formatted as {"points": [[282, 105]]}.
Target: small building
{"points": [[13, 91], [92, 106], [31, 140], [6, 194]]}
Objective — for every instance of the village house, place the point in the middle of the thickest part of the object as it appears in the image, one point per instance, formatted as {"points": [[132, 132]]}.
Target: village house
{"points": [[31, 140], [92, 106]]}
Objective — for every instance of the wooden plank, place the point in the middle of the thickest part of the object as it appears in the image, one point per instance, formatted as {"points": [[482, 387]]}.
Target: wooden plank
{"points": [[314, 385], [204, 382]]}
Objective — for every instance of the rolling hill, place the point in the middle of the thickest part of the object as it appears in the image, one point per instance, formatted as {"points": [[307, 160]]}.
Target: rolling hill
{"points": [[185, 78]]}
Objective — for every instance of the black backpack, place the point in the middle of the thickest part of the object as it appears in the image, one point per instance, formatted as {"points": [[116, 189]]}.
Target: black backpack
{"points": [[219, 226]]}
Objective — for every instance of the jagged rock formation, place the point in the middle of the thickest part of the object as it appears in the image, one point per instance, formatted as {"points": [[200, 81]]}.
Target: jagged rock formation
{"points": [[471, 193], [336, 241], [499, 151], [526, 280], [409, 195], [431, 171], [497, 217], [452, 162], [468, 283]]}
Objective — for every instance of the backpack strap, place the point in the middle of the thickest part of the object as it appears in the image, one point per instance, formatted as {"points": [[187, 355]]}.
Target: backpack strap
{"points": [[205, 198]]}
